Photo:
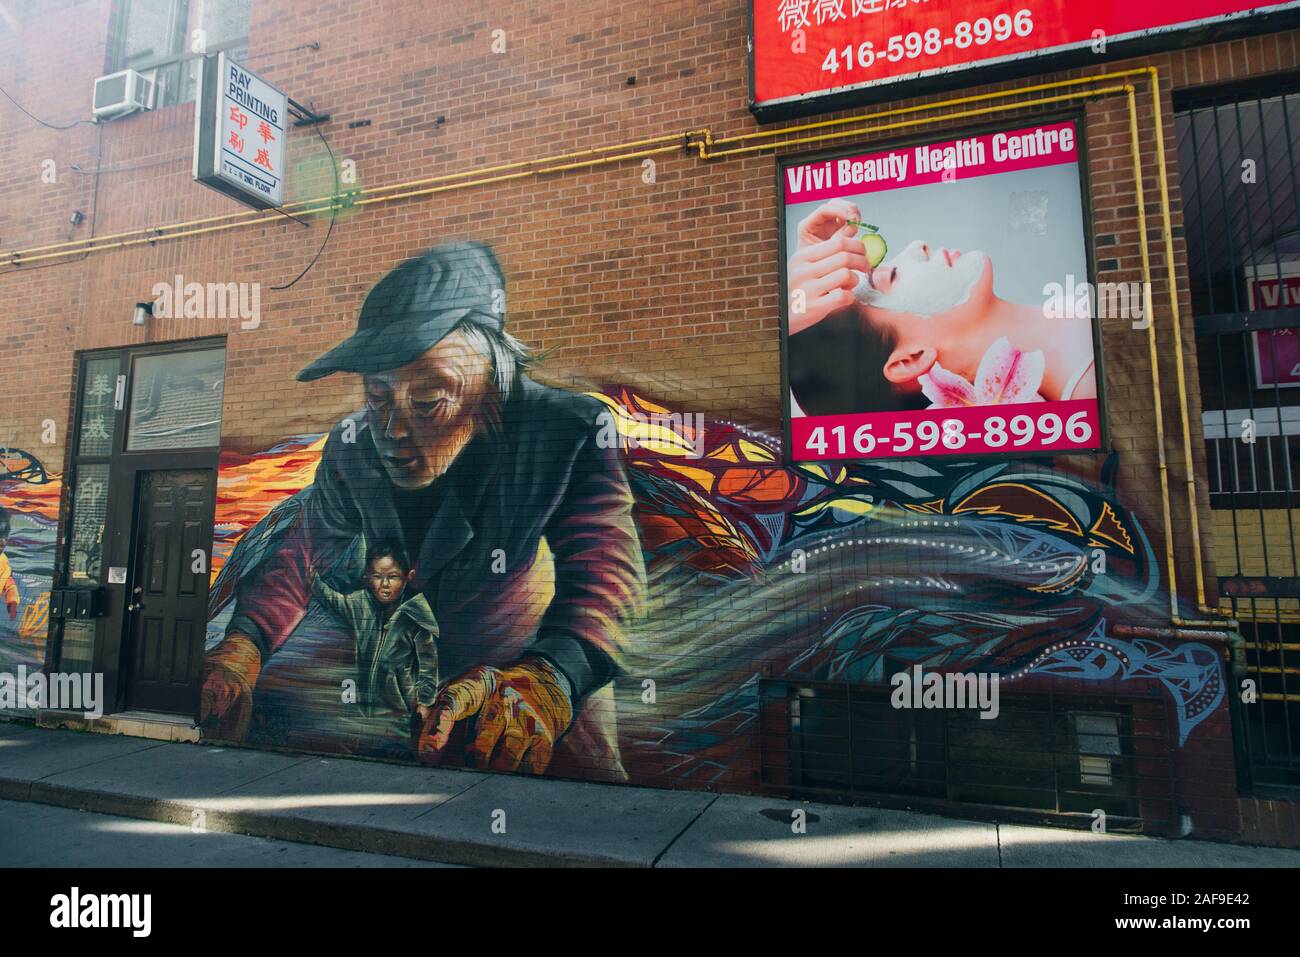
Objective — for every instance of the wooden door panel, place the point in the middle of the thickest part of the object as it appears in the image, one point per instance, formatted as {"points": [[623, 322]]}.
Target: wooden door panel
{"points": [[173, 521]]}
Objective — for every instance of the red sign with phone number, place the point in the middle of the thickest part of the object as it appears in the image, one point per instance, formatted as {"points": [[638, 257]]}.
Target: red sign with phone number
{"points": [[803, 48], [1066, 426]]}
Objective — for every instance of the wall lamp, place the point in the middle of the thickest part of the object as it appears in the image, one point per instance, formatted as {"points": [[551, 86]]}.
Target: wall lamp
{"points": [[143, 310]]}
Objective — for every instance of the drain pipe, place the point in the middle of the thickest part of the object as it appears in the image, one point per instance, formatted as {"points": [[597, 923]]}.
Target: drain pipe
{"points": [[1234, 645]]}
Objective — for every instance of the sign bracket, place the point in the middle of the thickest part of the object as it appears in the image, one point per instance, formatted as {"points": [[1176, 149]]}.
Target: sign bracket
{"points": [[305, 116]]}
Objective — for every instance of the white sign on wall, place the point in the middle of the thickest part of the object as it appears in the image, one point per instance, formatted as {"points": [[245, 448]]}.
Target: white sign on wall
{"points": [[239, 133]]}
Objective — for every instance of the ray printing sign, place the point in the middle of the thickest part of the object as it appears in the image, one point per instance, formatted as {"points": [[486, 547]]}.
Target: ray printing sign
{"points": [[239, 134]]}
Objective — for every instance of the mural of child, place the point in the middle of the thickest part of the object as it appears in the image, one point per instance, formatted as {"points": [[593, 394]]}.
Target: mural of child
{"points": [[397, 654], [8, 587]]}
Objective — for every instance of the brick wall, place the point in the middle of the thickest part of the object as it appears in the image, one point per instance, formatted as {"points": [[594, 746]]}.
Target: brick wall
{"points": [[668, 288]]}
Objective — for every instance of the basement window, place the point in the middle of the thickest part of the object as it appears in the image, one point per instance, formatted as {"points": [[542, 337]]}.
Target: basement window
{"points": [[1059, 754], [1097, 740]]}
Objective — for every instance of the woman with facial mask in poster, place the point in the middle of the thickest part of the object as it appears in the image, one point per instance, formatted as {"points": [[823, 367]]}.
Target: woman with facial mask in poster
{"points": [[932, 321]]}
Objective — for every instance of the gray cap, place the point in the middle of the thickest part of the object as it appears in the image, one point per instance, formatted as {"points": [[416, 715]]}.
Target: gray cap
{"points": [[412, 308]]}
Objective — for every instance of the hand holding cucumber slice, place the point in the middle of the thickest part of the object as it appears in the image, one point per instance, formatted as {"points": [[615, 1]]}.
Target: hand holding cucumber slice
{"points": [[875, 243], [876, 248]]}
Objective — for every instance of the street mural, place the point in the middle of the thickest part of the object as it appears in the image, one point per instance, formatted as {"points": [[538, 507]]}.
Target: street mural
{"points": [[29, 513], [597, 579]]}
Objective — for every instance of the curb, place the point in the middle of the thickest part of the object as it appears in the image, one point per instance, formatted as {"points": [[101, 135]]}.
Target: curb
{"points": [[281, 827]]}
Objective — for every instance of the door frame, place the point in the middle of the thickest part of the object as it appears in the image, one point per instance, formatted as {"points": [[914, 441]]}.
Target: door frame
{"points": [[112, 637]]}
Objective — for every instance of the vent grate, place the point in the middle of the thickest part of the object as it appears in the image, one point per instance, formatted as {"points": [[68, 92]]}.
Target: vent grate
{"points": [[1044, 756]]}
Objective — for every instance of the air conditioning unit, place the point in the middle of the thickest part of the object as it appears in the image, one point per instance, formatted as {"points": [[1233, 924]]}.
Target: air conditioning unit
{"points": [[123, 92]]}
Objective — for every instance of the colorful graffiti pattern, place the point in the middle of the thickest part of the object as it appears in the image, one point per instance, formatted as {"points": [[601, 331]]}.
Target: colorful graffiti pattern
{"points": [[30, 496], [843, 572]]}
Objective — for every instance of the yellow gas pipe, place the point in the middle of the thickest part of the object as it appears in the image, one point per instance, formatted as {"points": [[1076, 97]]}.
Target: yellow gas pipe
{"points": [[705, 143]]}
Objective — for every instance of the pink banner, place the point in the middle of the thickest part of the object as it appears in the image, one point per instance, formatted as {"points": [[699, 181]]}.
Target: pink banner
{"points": [[1277, 358], [1021, 428], [1276, 351], [969, 157]]}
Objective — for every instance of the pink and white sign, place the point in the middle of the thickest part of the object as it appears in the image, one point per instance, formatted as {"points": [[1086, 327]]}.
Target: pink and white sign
{"points": [[971, 156], [926, 305], [1036, 427], [1276, 351]]}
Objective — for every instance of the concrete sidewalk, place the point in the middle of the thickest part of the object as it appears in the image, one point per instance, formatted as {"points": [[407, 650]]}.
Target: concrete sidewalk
{"points": [[449, 815]]}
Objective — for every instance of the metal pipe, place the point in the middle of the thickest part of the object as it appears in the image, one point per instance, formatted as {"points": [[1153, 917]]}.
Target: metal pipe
{"points": [[1222, 635], [249, 216], [957, 101], [1233, 642], [1175, 314], [1162, 461], [122, 244], [961, 114]]}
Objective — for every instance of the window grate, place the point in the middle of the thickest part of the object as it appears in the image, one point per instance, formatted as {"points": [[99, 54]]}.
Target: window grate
{"points": [[1237, 152], [1045, 756]]}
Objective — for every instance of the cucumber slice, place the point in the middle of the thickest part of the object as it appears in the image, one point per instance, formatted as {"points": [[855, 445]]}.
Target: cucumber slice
{"points": [[876, 248]]}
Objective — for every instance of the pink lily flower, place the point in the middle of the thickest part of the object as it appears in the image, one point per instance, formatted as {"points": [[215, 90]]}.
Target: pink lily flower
{"points": [[1006, 376]]}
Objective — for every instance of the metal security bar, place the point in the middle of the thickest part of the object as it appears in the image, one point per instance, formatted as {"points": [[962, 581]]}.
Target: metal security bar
{"points": [[1047, 757], [1237, 151]]}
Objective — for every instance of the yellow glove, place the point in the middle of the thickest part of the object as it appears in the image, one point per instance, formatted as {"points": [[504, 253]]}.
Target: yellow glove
{"points": [[521, 712], [230, 673]]}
